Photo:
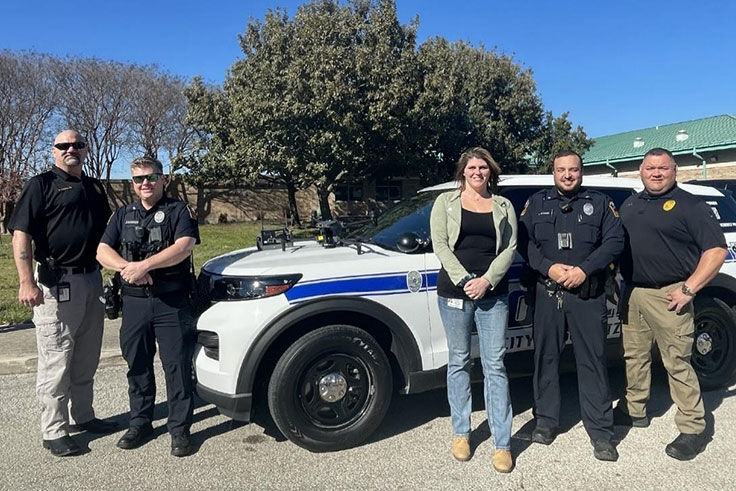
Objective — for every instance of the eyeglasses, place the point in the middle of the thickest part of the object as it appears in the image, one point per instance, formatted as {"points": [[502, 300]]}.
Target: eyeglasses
{"points": [[147, 177], [65, 146]]}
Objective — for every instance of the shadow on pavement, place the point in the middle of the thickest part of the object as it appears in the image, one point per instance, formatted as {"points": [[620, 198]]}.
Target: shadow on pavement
{"points": [[412, 411]]}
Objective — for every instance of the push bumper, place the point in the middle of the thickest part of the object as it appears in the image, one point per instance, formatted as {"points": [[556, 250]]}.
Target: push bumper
{"points": [[235, 406]]}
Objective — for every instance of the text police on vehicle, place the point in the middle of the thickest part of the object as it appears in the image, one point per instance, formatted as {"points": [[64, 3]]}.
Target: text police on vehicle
{"points": [[327, 334]]}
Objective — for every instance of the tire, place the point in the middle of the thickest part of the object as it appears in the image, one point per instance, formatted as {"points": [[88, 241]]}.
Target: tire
{"points": [[351, 369], [714, 347]]}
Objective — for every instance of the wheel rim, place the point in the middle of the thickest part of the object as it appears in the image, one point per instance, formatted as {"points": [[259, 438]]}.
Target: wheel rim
{"points": [[710, 346], [334, 390]]}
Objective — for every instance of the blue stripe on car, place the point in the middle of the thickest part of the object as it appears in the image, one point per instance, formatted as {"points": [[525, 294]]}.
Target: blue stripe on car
{"points": [[391, 284]]}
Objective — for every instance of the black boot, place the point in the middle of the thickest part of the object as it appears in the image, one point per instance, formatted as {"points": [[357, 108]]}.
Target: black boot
{"points": [[686, 446], [62, 447]]}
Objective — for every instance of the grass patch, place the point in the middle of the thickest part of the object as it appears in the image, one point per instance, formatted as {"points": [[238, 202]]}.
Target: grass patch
{"points": [[216, 239]]}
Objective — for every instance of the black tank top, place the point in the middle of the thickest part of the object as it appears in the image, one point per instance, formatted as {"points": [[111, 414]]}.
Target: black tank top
{"points": [[475, 249]]}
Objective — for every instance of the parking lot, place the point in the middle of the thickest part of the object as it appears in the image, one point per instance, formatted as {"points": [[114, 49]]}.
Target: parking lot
{"points": [[409, 451]]}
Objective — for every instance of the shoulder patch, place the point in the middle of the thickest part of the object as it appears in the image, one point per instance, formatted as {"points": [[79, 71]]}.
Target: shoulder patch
{"points": [[192, 212], [613, 208]]}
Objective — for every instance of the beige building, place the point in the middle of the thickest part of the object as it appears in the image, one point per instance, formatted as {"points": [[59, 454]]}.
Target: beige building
{"points": [[703, 148]]}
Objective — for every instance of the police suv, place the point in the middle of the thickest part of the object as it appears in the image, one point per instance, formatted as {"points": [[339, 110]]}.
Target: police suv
{"points": [[327, 331]]}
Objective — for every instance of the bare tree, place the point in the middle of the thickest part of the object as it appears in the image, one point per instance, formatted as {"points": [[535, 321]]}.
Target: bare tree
{"points": [[27, 100], [96, 101], [158, 117], [158, 114]]}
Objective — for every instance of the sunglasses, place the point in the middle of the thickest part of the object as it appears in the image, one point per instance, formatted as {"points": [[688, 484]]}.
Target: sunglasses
{"points": [[147, 177], [65, 146]]}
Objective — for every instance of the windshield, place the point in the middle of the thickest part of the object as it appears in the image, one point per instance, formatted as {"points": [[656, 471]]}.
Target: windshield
{"points": [[724, 208], [410, 215]]}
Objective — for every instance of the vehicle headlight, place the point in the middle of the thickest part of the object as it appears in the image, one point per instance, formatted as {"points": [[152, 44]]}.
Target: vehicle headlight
{"points": [[225, 288]]}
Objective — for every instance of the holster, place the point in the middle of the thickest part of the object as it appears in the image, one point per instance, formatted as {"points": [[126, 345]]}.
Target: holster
{"points": [[49, 276], [593, 286]]}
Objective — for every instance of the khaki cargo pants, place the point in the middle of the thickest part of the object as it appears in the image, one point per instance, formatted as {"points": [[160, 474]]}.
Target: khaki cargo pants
{"points": [[648, 321], [69, 340]]}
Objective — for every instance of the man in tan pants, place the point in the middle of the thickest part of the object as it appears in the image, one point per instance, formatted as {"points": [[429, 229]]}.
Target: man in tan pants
{"points": [[63, 212], [674, 247]]}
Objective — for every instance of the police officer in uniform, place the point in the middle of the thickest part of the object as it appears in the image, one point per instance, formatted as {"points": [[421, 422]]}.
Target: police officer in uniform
{"points": [[63, 212], [149, 244], [674, 247], [571, 237]]}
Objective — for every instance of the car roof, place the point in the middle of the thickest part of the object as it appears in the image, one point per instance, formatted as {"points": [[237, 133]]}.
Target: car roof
{"points": [[523, 180]]}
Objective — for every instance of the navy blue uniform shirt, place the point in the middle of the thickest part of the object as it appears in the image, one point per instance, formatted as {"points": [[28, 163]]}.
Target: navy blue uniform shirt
{"points": [[592, 222], [172, 216], [665, 236]]}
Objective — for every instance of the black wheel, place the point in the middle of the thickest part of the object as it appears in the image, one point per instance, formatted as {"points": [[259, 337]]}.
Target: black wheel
{"points": [[331, 389], [714, 347]]}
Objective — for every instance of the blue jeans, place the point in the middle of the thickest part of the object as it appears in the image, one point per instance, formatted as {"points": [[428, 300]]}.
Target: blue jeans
{"points": [[490, 316]]}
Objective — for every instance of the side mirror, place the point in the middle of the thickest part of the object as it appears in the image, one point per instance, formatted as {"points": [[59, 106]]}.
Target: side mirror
{"points": [[410, 243]]}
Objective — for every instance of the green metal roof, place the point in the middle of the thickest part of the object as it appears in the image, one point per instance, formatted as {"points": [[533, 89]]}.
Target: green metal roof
{"points": [[714, 133]]}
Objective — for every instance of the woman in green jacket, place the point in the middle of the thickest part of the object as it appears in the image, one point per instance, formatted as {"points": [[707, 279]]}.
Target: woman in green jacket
{"points": [[474, 237]]}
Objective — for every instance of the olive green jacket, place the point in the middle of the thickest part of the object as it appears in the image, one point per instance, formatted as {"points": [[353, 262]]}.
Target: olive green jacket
{"points": [[445, 228]]}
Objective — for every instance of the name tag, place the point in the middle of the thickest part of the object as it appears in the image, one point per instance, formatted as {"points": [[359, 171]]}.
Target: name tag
{"points": [[455, 303]]}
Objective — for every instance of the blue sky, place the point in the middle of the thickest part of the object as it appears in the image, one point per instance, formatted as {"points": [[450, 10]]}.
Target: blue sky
{"points": [[616, 66]]}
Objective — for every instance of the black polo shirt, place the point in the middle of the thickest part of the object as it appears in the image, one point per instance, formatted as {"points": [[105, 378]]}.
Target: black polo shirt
{"points": [[64, 215], [172, 216], [665, 236]]}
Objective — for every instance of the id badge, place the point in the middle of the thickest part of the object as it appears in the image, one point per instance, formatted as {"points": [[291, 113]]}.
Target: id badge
{"points": [[63, 292], [455, 303]]}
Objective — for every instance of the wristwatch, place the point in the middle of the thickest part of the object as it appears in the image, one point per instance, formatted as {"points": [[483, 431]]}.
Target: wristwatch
{"points": [[687, 291]]}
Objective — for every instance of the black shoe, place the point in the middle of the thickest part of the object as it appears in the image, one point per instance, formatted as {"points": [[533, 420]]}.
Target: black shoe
{"points": [[686, 446], [544, 435], [62, 447], [622, 418], [135, 437], [99, 426], [180, 445], [604, 450]]}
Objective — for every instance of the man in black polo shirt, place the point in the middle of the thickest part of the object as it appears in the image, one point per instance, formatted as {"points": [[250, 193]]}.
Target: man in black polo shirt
{"points": [[674, 247], [63, 212], [149, 243]]}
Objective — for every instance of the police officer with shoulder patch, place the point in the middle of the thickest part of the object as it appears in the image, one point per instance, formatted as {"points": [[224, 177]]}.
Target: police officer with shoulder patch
{"points": [[569, 237], [674, 247], [63, 212], [149, 244]]}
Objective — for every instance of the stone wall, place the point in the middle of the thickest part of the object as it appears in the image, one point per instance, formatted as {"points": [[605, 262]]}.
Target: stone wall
{"points": [[242, 204]]}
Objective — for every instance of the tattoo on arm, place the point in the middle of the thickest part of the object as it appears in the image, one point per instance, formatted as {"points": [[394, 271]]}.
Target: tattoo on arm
{"points": [[23, 255]]}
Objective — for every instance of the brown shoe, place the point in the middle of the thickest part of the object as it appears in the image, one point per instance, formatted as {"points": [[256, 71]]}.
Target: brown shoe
{"points": [[461, 448], [502, 461]]}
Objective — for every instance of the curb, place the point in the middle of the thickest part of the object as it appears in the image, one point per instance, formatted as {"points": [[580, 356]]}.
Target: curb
{"points": [[28, 364]]}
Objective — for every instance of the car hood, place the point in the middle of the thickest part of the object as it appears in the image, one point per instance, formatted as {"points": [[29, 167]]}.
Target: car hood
{"points": [[308, 258]]}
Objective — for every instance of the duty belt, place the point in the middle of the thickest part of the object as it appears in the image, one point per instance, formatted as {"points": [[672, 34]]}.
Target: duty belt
{"points": [[151, 290], [549, 284], [79, 269]]}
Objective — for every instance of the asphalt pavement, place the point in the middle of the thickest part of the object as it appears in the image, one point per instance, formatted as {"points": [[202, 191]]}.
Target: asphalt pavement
{"points": [[410, 450]]}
